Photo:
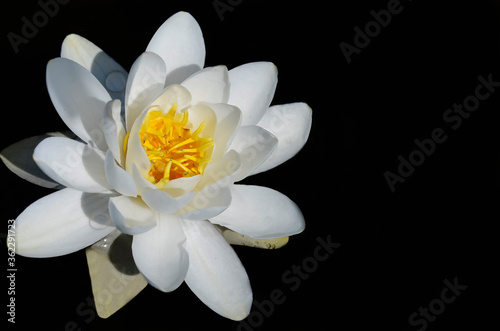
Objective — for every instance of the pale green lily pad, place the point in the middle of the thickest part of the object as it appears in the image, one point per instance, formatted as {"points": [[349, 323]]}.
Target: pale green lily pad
{"points": [[114, 276], [18, 157], [235, 238]]}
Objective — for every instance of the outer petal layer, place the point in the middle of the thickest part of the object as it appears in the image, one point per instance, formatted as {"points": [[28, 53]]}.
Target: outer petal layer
{"points": [[160, 254], [252, 89], [179, 41], [79, 98], [254, 145], [291, 124], [62, 223], [111, 75], [215, 273], [72, 163], [260, 212]]}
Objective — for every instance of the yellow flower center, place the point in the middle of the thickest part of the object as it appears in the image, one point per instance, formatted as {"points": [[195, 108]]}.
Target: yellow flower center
{"points": [[173, 150]]}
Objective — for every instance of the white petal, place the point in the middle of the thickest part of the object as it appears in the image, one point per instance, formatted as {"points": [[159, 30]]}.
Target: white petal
{"points": [[131, 215], [136, 155], [254, 145], [109, 73], [61, 223], [160, 254], [113, 130], [142, 183], [291, 124], [18, 157], [201, 113], [72, 163], [252, 89], [208, 203], [180, 43], [260, 212], [215, 273], [146, 81], [163, 202], [220, 172], [79, 98], [228, 121], [118, 178], [173, 94], [209, 85], [182, 185]]}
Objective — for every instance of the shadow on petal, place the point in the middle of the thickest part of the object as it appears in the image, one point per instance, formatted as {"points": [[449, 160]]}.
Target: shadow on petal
{"points": [[110, 74], [120, 255], [95, 207], [179, 75]]}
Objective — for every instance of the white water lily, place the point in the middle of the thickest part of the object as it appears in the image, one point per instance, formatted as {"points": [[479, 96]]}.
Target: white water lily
{"points": [[157, 155]]}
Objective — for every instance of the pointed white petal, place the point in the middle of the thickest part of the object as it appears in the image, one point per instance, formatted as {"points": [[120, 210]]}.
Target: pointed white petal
{"points": [[254, 145], [252, 89], [202, 113], [215, 273], [79, 98], [118, 178], [209, 85], [173, 94], [61, 223], [181, 186], [109, 73], [141, 183], [160, 254], [220, 172], [113, 130], [179, 41], [260, 212], [228, 122], [72, 163], [208, 203], [131, 215], [291, 124], [146, 81], [163, 202]]}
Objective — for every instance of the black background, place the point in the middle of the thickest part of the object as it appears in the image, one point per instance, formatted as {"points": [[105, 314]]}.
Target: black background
{"points": [[396, 248]]}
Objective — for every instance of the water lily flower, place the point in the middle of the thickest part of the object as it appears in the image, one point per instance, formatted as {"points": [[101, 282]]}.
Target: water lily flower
{"points": [[156, 156]]}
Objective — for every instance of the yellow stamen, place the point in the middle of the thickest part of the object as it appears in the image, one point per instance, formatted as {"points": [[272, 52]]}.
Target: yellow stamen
{"points": [[171, 148], [125, 142]]}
